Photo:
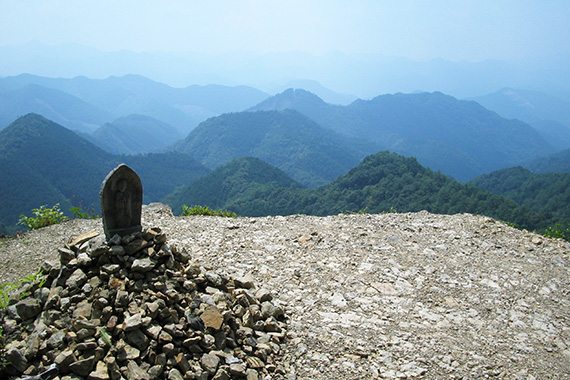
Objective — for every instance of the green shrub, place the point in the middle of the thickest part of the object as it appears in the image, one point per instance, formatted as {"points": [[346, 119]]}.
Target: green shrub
{"points": [[79, 213], [43, 217], [558, 231], [205, 210]]}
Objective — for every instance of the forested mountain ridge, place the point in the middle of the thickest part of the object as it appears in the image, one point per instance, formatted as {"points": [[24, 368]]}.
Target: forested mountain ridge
{"points": [[541, 192], [44, 163], [247, 184], [458, 138], [382, 182], [286, 139]]}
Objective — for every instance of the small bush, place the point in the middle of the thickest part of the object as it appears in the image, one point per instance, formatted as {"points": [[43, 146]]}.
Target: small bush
{"points": [[205, 210], [558, 231], [43, 217], [79, 213]]}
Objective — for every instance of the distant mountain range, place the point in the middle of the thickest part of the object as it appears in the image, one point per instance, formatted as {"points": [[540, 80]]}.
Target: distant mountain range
{"points": [[133, 114], [548, 114], [116, 97], [459, 138], [363, 75]]}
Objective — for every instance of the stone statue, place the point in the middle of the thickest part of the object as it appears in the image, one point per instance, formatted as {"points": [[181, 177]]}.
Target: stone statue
{"points": [[121, 202]]}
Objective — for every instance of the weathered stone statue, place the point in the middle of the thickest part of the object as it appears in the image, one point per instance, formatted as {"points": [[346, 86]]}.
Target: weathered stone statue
{"points": [[121, 202]]}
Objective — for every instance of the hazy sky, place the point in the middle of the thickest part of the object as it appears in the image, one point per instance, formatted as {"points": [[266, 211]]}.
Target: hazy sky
{"points": [[451, 29]]}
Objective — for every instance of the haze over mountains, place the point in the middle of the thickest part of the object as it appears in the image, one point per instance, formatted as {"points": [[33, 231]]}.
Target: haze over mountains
{"points": [[311, 142], [115, 97], [361, 75]]}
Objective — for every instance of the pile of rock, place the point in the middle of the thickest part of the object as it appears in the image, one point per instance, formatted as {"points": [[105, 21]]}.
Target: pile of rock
{"points": [[136, 308]]}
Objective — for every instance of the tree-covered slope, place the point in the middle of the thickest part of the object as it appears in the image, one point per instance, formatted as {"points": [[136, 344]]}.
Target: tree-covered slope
{"points": [[286, 139], [244, 184], [458, 138], [135, 134], [382, 182], [544, 192], [44, 163]]}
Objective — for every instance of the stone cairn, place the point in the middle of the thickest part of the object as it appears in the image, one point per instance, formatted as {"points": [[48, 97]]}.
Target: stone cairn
{"points": [[133, 307]]}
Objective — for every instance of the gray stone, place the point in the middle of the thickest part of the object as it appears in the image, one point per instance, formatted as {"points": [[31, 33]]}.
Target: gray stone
{"points": [[77, 279], [222, 374], [268, 309], [113, 368], [121, 202], [175, 374], [214, 278], [65, 255], [210, 363], [143, 265], [138, 339], [56, 339], [16, 357], [169, 350], [83, 367], [238, 369], [101, 372], [28, 308], [251, 374], [64, 359], [134, 372], [126, 351], [132, 322]]}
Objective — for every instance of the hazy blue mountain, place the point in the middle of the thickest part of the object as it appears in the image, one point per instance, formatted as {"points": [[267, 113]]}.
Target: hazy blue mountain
{"points": [[135, 134], [556, 163], [459, 138], [56, 105], [286, 139], [526, 105], [44, 163], [549, 115], [554, 133], [182, 108], [364, 75], [380, 183], [313, 86]]}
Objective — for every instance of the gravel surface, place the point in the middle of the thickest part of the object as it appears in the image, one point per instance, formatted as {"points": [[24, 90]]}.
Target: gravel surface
{"points": [[379, 296]]}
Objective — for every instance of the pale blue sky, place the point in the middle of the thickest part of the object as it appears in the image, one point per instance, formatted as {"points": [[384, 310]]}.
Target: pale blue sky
{"points": [[471, 30]]}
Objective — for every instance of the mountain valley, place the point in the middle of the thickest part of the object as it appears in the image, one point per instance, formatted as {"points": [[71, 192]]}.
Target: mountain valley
{"points": [[257, 154]]}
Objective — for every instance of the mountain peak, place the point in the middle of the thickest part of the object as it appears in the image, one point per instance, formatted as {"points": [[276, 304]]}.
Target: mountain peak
{"points": [[290, 98]]}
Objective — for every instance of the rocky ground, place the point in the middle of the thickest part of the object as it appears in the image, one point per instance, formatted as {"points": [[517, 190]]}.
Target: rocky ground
{"points": [[378, 296]]}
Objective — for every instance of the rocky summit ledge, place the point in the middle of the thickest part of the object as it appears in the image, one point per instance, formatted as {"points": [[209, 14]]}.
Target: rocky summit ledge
{"points": [[412, 295]]}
